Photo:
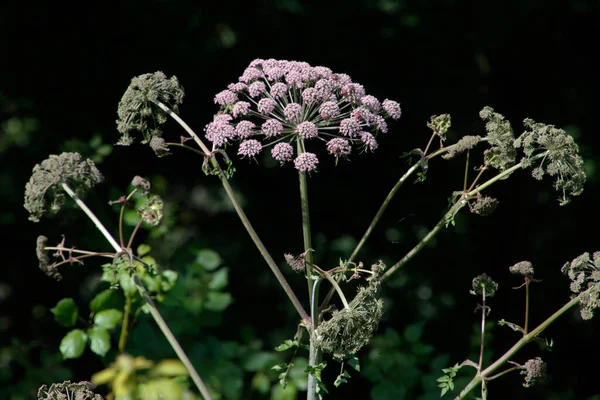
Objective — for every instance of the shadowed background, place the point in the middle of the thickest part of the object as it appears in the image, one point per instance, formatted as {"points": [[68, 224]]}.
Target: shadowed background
{"points": [[63, 71]]}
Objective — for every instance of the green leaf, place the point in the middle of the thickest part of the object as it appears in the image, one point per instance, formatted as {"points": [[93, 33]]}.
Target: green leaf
{"points": [[127, 283], [286, 345], [66, 312], [354, 363], [258, 361], [103, 300], [209, 259], [108, 319], [217, 301], [143, 249], [73, 344], [341, 378], [413, 332], [220, 279], [99, 341]]}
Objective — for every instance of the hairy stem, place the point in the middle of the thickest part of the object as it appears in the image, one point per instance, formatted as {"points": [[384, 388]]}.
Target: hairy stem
{"points": [[241, 214], [516, 347], [144, 293]]}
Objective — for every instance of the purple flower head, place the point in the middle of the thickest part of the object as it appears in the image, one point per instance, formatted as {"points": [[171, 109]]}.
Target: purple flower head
{"points": [[225, 97], [282, 152], [371, 102], [306, 162], [293, 112], [219, 131], [249, 148], [266, 106], [244, 129], [392, 108], [256, 88], [278, 90], [339, 147], [271, 128], [307, 130], [350, 127], [282, 104], [329, 110], [240, 108]]}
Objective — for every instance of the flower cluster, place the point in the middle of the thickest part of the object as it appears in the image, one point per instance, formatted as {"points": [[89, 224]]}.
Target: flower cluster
{"points": [[138, 111], [348, 330], [483, 205], [502, 154], [279, 104], [523, 268], [561, 157], [534, 371], [584, 273], [43, 192], [68, 390]]}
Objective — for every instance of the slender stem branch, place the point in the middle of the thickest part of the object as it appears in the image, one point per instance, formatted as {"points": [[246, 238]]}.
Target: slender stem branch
{"points": [[482, 344], [144, 293], [525, 327], [434, 231], [335, 285], [125, 326], [516, 347], [135, 229], [453, 210], [498, 375], [241, 214], [429, 143], [381, 210], [466, 171], [76, 251], [121, 217]]}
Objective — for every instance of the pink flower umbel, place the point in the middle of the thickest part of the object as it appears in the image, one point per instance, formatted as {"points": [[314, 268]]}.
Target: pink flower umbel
{"points": [[291, 105]]}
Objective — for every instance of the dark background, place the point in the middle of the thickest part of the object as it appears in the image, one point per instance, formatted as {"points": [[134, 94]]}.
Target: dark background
{"points": [[63, 70]]}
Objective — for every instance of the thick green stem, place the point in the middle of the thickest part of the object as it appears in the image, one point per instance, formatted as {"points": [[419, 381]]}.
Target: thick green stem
{"points": [[516, 347], [144, 293], [242, 215], [313, 292], [125, 326]]}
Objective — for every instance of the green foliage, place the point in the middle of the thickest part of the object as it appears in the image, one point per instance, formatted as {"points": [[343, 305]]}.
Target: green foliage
{"points": [[73, 344], [99, 340], [108, 319], [66, 312], [446, 382]]}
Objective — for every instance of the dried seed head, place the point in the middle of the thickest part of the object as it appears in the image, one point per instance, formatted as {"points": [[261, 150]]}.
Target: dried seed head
{"points": [[68, 391], [483, 205], [534, 371], [43, 192], [152, 210], [584, 273], [523, 268], [483, 283], [141, 183], [502, 154]]}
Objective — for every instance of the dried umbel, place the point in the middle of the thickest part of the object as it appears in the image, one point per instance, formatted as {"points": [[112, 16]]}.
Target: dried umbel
{"points": [[534, 371], [44, 260], [561, 157], [43, 192], [348, 330], [138, 110], [502, 154], [584, 273], [483, 205], [290, 105], [464, 144], [484, 285], [68, 391], [523, 268]]}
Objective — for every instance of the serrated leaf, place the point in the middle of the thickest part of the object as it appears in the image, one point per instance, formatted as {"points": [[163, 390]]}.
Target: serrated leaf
{"points": [[217, 301], [220, 279], [103, 300], [99, 341], [73, 344], [286, 345], [342, 378], [66, 312], [127, 283], [209, 259], [108, 319]]}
